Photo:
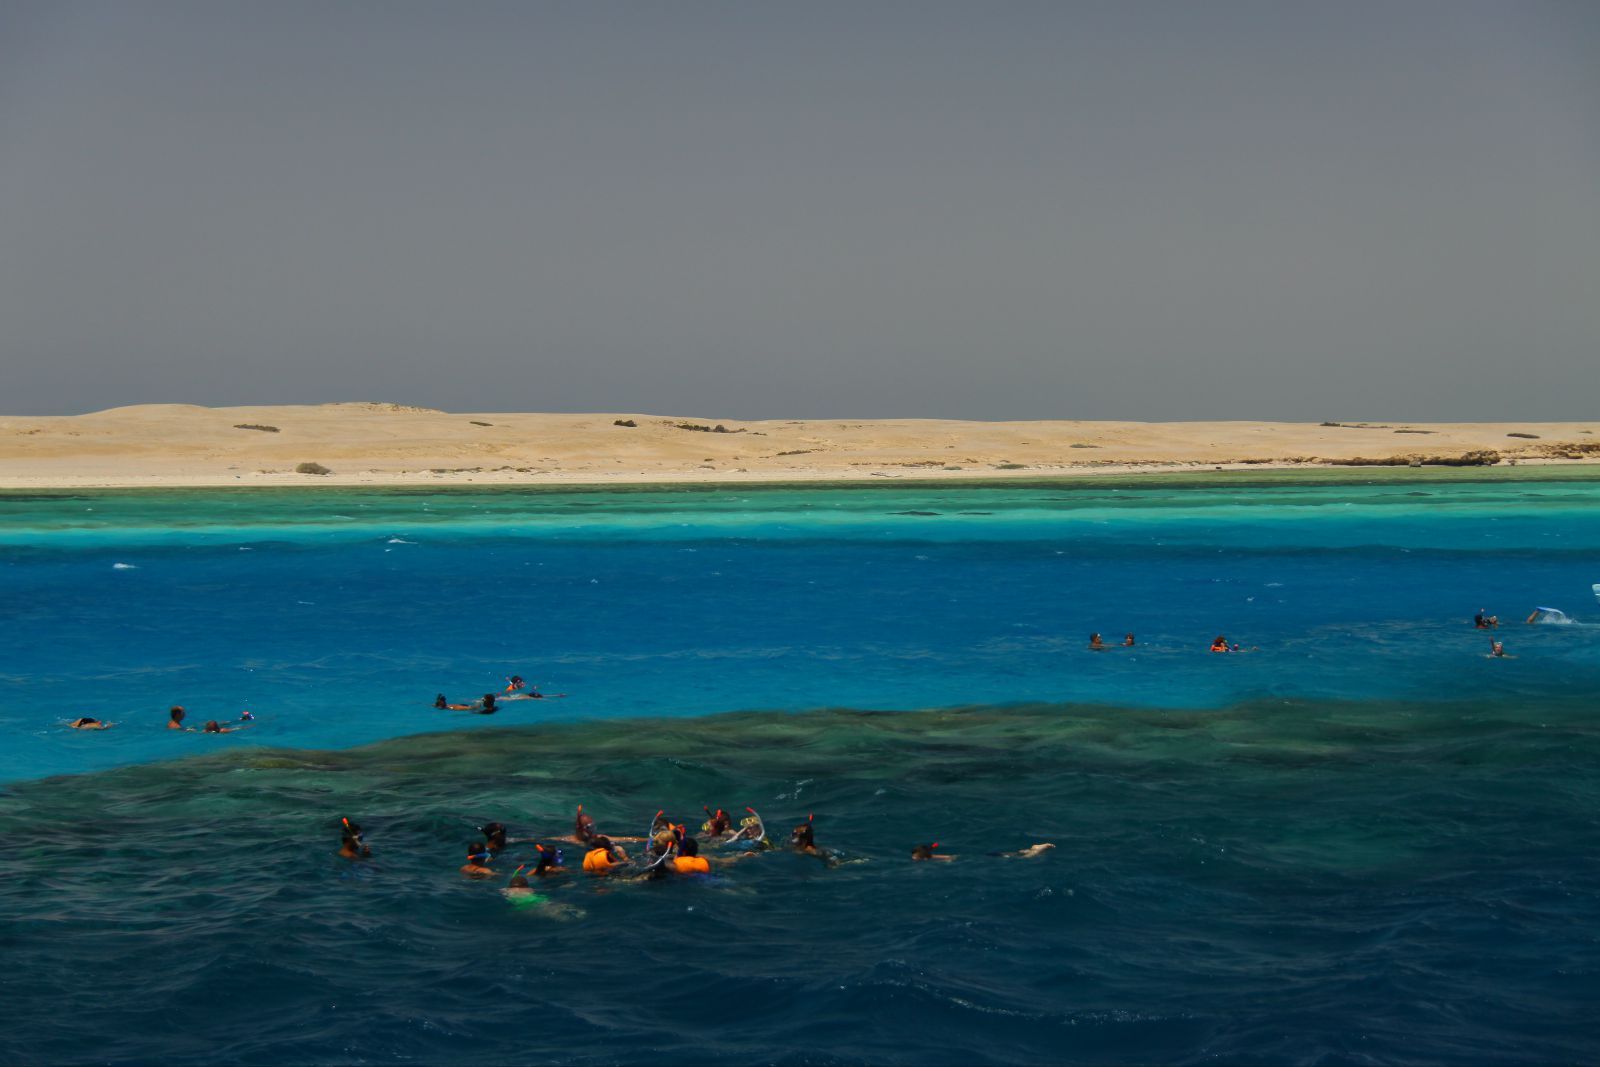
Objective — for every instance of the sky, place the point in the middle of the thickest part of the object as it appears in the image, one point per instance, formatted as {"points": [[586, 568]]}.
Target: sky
{"points": [[1008, 210]]}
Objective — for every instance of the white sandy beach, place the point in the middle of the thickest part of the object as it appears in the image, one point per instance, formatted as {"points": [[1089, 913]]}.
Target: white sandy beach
{"points": [[385, 444]]}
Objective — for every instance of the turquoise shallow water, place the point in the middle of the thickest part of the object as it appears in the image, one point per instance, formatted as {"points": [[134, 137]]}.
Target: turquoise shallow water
{"points": [[1363, 842]]}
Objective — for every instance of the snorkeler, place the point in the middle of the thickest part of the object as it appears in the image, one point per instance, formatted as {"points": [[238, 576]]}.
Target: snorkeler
{"points": [[486, 705], [494, 835], [1127, 641], [922, 853], [689, 860], [477, 865], [175, 722], [215, 727], [551, 861], [583, 831], [803, 837], [87, 723], [1221, 644], [1486, 622], [352, 846], [603, 856], [514, 683], [1096, 643], [717, 823]]}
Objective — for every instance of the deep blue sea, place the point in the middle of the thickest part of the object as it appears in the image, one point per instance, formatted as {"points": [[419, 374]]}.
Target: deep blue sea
{"points": [[1359, 840]]}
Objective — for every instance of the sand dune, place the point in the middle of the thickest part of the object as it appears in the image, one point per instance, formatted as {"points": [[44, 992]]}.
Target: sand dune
{"points": [[362, 443]]}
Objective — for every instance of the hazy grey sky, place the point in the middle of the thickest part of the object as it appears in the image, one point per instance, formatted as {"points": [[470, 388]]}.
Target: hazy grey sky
{"points": [[745, 210]]}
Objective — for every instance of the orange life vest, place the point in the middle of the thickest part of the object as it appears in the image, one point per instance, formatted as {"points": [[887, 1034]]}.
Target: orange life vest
{"points": [[598, 861]]}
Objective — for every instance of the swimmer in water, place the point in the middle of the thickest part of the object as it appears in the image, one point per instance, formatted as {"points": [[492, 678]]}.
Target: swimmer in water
{"points": [[247, 716], [352, 846], [175, 722], [477, 865], [1485, 622], [717, 823], [1221, 644], [215, 727], [1127, 641], [514, 683], [486, 705], [583, 831], [803, 837], [603, 856], [551, 862], [1096, 643], [86, 723], [1497, 650], [689, 860], [444, 705], [494, 835], [1031, 852], [518, 891], [922, 853]]}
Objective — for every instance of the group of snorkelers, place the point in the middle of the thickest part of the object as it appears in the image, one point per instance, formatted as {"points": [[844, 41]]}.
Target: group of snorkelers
{"points": [[516, 689], [1497, 649], [175, 717], [668, 850], [1221, 644]]}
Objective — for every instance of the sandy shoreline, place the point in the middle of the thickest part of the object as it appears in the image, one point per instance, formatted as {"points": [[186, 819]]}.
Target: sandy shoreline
{"points": [[179, 445]]}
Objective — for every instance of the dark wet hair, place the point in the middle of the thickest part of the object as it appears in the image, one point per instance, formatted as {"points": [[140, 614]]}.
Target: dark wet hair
{"points": [[603, 842], [519, 882], [495, 832], [177, 712], [688, 846], [213, 727], [924, 852], [440, 702]]}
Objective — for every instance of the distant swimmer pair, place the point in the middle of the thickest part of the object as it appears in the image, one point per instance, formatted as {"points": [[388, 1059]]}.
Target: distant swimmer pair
{"points": [[485, 706], [1097, 643], [176, 715], [515, 686]]}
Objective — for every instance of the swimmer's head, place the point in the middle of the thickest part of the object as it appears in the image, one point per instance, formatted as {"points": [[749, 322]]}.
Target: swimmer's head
{"points": [[519, 882], [440, 702], [603, 842], [177, 713], [495, 834], [803, 836], [213, 727], [924, 852], [247, 716], [478, 852], [689, 847]]}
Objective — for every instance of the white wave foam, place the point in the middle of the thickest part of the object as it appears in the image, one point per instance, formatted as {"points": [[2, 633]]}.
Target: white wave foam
{"points": [[123, 567]]}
